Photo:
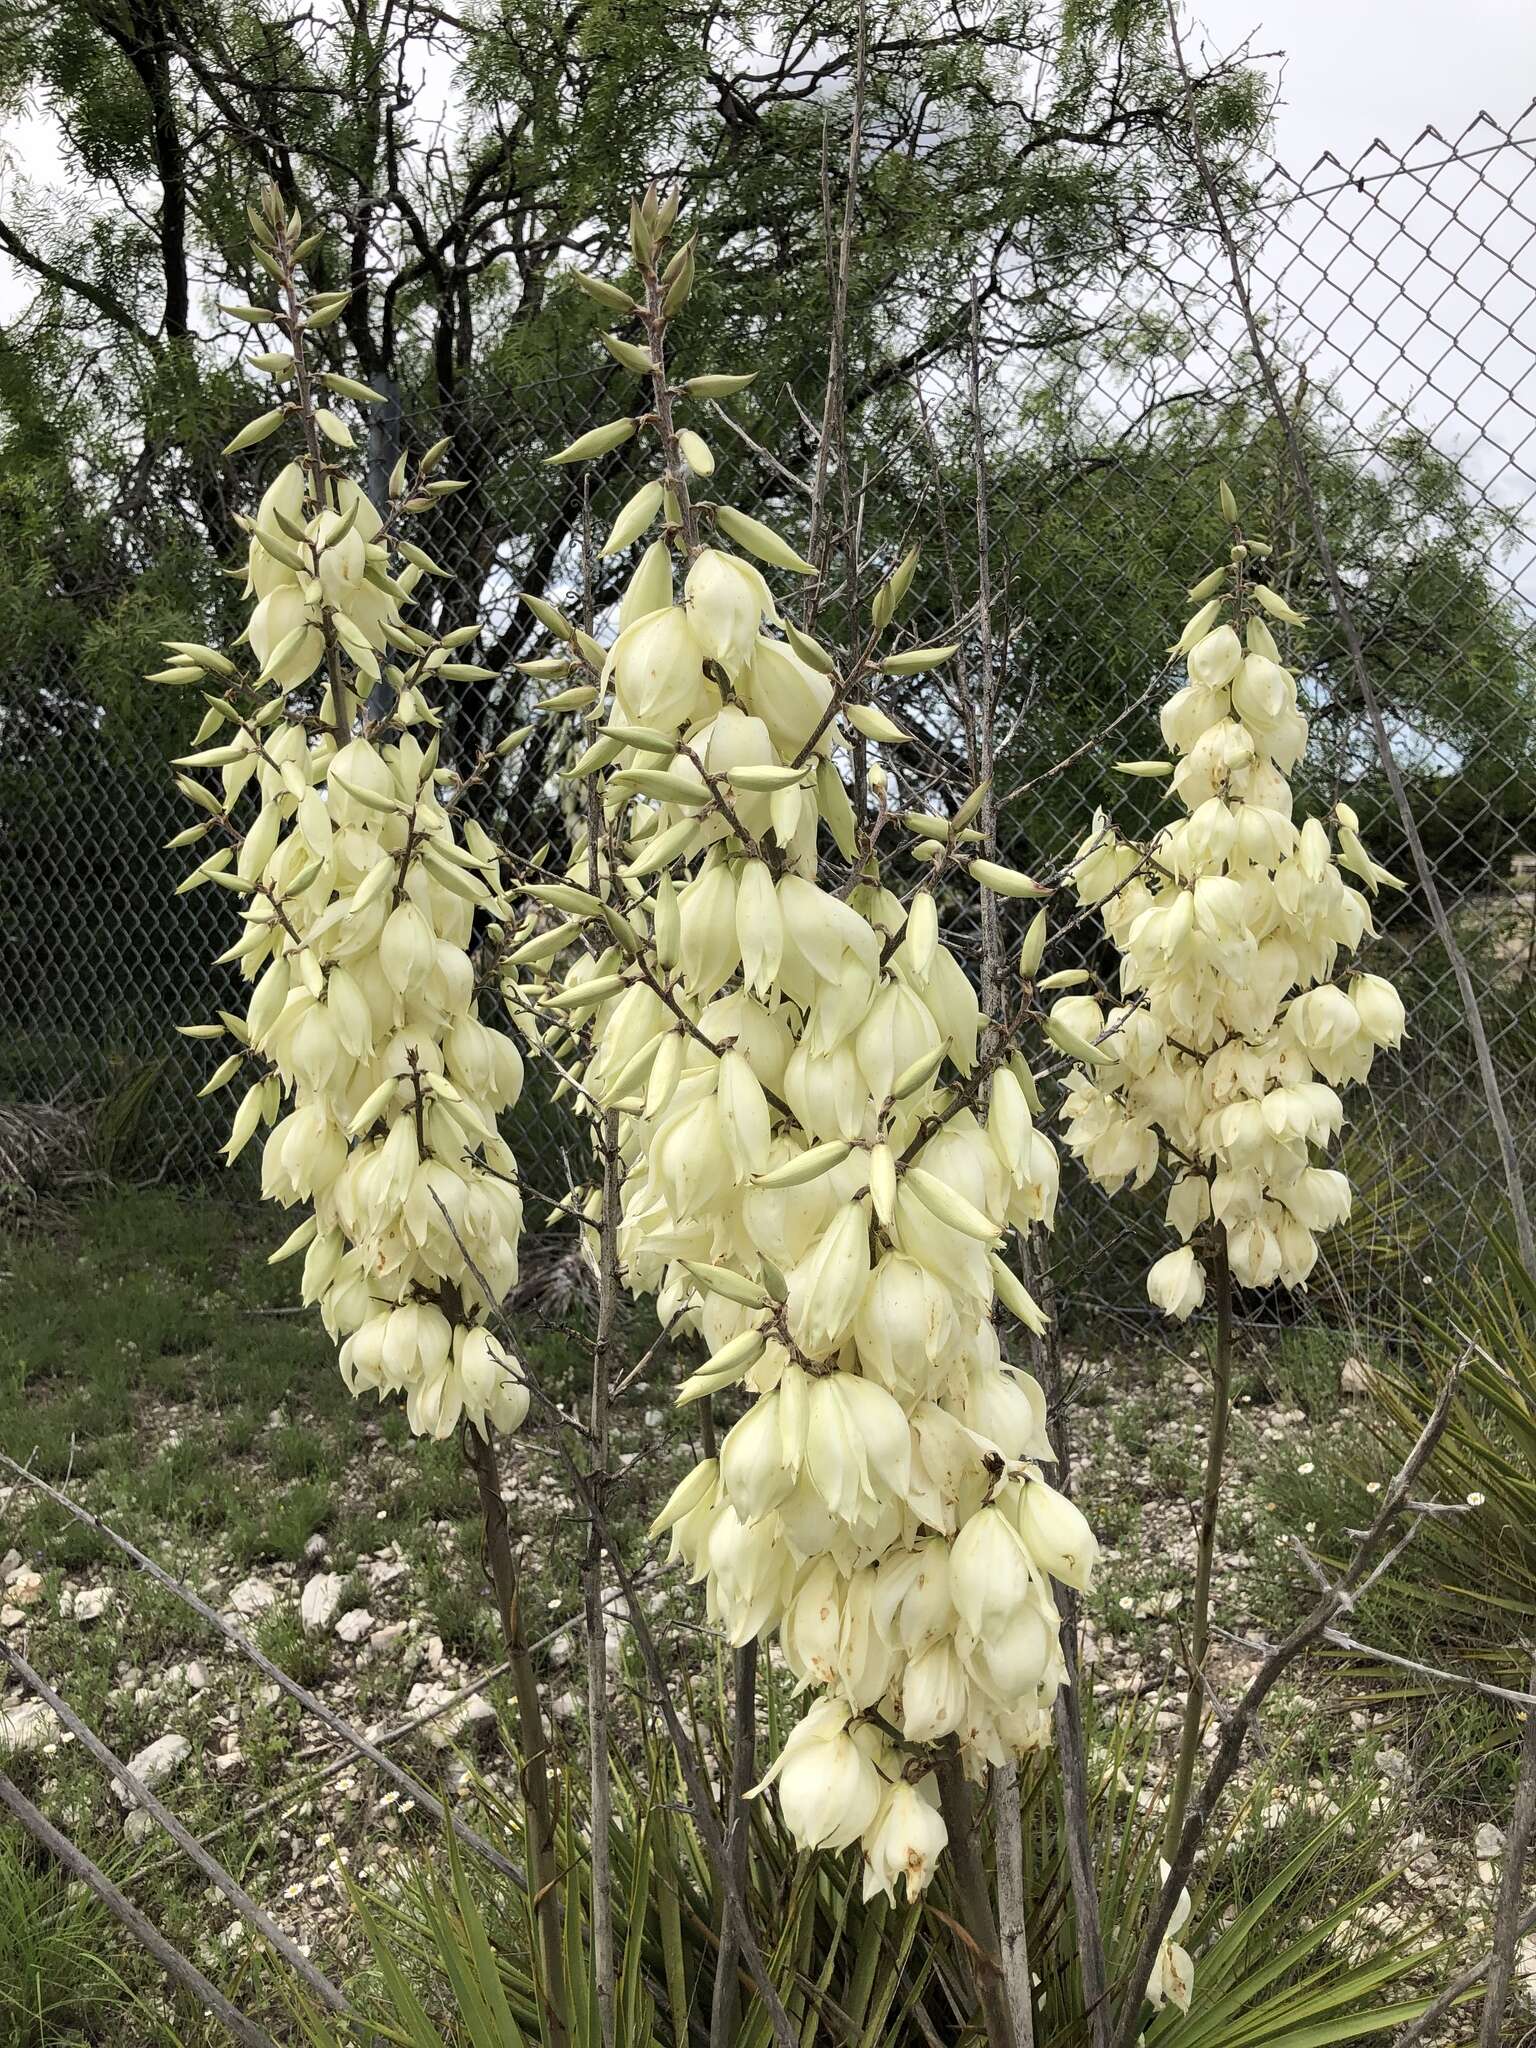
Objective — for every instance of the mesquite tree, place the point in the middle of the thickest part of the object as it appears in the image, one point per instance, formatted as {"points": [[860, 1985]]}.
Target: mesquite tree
{"points": [[825, 1143], [1224, 1055]]}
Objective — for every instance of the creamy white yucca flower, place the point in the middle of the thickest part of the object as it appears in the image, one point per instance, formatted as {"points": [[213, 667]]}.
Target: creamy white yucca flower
{"points": [[821, 1167], [1234, 1028], [360, 885], [1173, 1974]]}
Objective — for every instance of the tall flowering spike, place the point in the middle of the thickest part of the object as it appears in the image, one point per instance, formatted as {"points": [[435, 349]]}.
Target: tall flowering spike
{"points": [[1235, 1028], [824, 1150], [337, 827]]}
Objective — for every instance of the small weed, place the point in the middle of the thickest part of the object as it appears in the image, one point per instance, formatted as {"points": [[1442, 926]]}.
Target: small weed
{"points": [[1130, 1427], [1300, 1369], [460, 1605], [295, 1452], [281, 1635], [1174, 1464], [279, 1526]]}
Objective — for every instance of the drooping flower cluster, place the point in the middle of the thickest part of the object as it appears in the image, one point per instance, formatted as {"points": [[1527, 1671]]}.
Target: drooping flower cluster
{"points": [[360, 1043], [812, 1183], [1231, 1037]]}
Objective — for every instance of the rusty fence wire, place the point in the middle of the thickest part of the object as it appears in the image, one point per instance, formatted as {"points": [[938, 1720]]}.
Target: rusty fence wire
{"points": [[1396, 295]]}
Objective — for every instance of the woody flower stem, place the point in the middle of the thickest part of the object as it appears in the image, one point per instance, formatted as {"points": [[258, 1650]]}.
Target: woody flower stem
{"points": [[654, 316], [973, 1899], [597, 1634], [293, 325], [604, 1364], [538, 1798], [981, 735], [1205, 1556], [725, 2007]]}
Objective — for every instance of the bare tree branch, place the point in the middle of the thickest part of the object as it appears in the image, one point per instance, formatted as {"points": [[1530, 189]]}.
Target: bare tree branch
{"points": [[1335, 1600], [412, 1787]]}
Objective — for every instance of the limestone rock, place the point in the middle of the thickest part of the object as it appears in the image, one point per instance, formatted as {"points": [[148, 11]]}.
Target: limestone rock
{"points": [[354, 1625], [27, 1725], [473, 1718], [252, 1597], [153, 1765], [320, 1602]]}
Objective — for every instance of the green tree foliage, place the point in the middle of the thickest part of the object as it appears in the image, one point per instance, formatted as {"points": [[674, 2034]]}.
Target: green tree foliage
{"points": [[462, 164], [1091, 527]]}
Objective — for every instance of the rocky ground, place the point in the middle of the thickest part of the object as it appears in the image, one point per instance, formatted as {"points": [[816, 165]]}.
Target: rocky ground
{"points": [[198, 1418]]}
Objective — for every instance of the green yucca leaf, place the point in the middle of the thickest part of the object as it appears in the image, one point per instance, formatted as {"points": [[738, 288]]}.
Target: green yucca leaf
{"points": [[409, 2011], [504, 2029]]}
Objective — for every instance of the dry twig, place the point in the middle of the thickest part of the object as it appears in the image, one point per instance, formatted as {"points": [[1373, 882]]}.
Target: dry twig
{"points": [[1337, 1598], [171, 1960], [210, 1866]]}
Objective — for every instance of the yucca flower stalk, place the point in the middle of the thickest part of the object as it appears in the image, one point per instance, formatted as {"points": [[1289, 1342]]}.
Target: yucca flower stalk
{"points": [[336, 825], [1222, 1053], [365, 891], [810, 1186]]}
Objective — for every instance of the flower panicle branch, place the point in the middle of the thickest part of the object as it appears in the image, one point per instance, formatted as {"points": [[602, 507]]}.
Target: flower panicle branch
{"points": [[1234, 1033]]}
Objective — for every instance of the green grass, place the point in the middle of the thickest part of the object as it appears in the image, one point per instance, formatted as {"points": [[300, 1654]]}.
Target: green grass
{"points": [[147, 1302], [52, 1977], [151, 1363]]}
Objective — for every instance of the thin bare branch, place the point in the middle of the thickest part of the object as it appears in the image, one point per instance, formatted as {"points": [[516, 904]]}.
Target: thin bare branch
{"points": [[210, 1866], [689, 1762], [411, 1786], [176, 1966], [1244, 1716]]}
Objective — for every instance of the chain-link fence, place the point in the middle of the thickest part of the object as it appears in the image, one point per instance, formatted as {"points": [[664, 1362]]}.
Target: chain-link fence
{"points": [[1396, 299]]}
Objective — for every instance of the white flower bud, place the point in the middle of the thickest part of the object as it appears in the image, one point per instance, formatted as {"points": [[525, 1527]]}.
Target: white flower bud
{"points": [[1057, 1535], [990, 1571], [727, 603], [1379, 1008], [829, 1791], [827, 1286]]}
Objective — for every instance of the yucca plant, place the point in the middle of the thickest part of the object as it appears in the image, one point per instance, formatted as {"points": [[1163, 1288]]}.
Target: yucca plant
{"points": [[454, 1965], [1286, 1955], [1468, 1582]]}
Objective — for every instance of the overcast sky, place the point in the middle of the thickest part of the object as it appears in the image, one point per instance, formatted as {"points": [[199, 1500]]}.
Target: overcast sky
{"points": [[1358, 69], [1352, 70]]}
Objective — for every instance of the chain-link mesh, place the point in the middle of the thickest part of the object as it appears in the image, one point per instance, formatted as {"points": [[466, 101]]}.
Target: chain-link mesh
{"points": [[1395, 296]]}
